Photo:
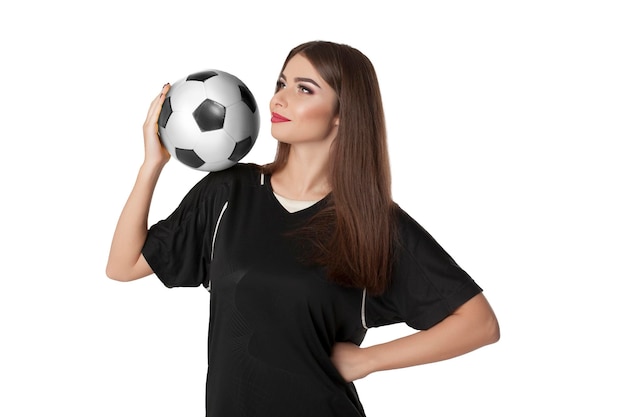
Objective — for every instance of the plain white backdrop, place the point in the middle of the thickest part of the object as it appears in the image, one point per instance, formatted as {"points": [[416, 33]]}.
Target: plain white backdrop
{"points": [[506, 123]]}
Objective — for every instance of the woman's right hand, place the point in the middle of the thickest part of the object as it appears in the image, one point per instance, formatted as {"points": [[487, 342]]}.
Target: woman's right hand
{"points": [[155, 152]]}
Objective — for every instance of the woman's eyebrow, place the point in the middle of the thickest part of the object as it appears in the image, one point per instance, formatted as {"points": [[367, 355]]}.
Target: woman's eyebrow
{"points": [[302, 79]]}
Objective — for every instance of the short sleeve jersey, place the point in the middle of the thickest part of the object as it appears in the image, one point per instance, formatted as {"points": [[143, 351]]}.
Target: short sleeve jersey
{"points": [[273, 319]]}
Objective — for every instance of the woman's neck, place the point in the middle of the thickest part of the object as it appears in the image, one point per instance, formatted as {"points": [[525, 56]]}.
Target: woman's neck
{"points": [[303, 178]]}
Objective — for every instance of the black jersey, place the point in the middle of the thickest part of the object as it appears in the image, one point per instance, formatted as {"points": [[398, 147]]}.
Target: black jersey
{"points": [[273, 319]]}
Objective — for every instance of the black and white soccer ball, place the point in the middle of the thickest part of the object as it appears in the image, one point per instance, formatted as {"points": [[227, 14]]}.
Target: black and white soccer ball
{"points": [[209, 120]]}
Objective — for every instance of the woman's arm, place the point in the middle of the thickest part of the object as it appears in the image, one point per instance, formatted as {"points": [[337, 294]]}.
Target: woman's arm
{"points": [[126, 263], [470, 327]]}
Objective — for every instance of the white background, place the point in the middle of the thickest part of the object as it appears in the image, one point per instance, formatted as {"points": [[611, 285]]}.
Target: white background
{"points": [[507, 126]]}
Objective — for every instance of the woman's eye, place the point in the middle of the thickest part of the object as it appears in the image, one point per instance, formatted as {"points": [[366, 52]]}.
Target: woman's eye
{"points": [[304, 89], [280, 84]]}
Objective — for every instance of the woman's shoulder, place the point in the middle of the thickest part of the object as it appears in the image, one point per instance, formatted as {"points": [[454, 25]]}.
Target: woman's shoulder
{"points": [[404, 221], [409, 232], [240, 173], [218, 185]]}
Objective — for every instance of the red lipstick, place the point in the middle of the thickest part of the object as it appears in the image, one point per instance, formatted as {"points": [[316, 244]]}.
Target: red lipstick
{"points": [[277, 118]]}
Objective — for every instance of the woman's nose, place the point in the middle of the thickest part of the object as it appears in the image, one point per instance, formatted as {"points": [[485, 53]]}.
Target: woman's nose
{"points": [[279, 99]]}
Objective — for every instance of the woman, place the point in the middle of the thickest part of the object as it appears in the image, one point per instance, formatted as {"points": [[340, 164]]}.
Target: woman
{"points": [[303, 255]]}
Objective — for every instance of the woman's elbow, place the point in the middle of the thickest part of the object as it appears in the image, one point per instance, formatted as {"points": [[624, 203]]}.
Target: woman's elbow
{"points": [[485, 323], [119, 270], [115, 275], [492, 330], [119, 274]]}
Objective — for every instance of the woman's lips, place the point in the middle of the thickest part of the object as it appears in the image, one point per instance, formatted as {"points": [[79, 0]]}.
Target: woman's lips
{"points": [[277, 118]]}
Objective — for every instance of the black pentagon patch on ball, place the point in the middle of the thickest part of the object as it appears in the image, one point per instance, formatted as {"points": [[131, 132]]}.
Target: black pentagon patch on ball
{"points": [[247, 97], [209, 115], [241, 149], [189, 157], [201, 76], [166, 112]]}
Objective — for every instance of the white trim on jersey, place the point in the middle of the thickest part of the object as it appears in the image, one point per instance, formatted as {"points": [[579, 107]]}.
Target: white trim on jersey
{"points": [[363, 321], [217, 226]]}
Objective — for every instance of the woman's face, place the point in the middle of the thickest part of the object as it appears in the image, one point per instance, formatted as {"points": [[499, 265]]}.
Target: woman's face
{"points": [[304, 107]]}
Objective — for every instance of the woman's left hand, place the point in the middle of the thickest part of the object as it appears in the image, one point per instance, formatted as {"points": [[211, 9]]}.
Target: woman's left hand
{"points": [[350, 360]]}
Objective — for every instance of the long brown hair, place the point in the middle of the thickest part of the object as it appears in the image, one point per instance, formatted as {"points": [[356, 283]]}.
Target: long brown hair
{"points": [[353, 235]]}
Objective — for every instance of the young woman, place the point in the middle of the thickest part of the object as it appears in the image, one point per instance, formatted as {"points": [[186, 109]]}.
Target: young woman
{"points": [[303, 255]]}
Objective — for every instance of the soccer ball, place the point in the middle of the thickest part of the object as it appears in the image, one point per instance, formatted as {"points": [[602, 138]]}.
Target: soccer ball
{"points": [[209, 120]]}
